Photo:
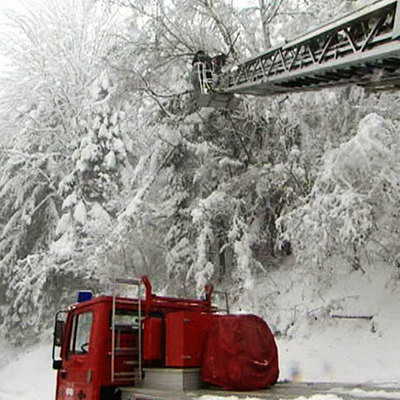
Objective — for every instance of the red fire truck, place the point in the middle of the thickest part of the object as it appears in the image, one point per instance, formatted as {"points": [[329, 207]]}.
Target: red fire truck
{"points": [[112, 347]]}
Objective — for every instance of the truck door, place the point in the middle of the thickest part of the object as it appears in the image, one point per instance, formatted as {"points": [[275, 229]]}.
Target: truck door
{"points": [[75, 379]]}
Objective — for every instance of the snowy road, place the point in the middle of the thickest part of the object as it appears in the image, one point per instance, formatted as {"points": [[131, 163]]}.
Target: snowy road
{"points": [[328, 391], [283, 391], [280, 392], [27, 375]]}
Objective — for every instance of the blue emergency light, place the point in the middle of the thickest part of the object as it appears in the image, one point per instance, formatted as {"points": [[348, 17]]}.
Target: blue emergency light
{"points": [[83, 295]]}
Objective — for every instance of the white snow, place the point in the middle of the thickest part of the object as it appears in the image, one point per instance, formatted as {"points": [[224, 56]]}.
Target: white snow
{"points": [[320, 343], [110, 161], [98, 219], [104, 133], [381, 394], [69, 202], [89, 152], [64, 224], [119, 148], [63, 248], [314, 397], [27, 374], [80, 213]]}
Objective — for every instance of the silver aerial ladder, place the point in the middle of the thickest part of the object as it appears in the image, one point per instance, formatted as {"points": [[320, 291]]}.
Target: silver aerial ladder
{"points": [[362, 48]]}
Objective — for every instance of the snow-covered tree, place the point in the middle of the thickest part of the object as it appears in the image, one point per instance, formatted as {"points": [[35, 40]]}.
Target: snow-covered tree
{"points": [[352, 208], [55, 59], [109, 168]]}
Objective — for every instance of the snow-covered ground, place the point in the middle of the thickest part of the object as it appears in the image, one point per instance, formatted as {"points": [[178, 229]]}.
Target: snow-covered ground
{"points": [[26, 374], [348, 332]]}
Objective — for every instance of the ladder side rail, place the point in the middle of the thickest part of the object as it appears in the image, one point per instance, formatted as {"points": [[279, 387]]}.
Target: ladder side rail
{"points": [[114, 374], [254, 67], [396, 27], [226, 299], [337, 50], [204, 74], [114, 296], [347, 54], [128, 281], [355, 60], [366, 12], [325, 28], [140, 332]]}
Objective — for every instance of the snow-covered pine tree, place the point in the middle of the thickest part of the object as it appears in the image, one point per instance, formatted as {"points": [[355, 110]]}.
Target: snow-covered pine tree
{"points": [[55, 56], [351, 211]]}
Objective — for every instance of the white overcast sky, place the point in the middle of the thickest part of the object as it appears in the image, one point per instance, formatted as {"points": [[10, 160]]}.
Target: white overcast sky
{"points": [[9, 5], [6, 6]]}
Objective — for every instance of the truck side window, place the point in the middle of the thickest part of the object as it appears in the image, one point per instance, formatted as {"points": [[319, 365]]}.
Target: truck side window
{"points": [[80, 333]]}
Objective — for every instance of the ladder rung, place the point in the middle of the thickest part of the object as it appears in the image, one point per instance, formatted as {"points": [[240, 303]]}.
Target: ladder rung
{"points": [[126, 328], [126, 302], [128, 281], [131, 362], [129, 350], [125, 375], [125, 348], [126, 379], [128, 373], [126, 355]]}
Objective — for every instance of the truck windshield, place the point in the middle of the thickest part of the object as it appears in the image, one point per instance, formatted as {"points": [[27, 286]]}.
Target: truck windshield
{"points": [[80, 333]]}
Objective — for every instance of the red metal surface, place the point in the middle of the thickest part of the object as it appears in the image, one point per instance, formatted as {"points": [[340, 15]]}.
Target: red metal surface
{"points": [[83, 375], [176, 333], [240, 353], [148, 290], [80, 374], [152, 339], [184, 337]]}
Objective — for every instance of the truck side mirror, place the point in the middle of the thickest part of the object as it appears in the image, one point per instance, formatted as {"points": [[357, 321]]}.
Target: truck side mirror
{"points": [[58, 332], [57, 364], [58, 337]]}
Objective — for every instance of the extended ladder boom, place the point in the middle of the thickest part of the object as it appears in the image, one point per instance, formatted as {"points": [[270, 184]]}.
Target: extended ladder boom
{"points": [[361, 48]]}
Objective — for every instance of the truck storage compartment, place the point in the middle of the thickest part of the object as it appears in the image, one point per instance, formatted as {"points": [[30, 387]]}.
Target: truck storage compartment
{"points": [[152, 339], [184, 333]]}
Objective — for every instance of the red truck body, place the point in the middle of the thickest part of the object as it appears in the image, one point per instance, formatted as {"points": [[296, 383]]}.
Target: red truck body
{"points": [[109, 343]]}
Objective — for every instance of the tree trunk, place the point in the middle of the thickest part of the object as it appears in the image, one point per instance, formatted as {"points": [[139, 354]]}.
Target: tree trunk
{"points": [[265, 24]]}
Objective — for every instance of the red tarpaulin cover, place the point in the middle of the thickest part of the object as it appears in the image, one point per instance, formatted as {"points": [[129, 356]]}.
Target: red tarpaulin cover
{"points": [[240, 353]]}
